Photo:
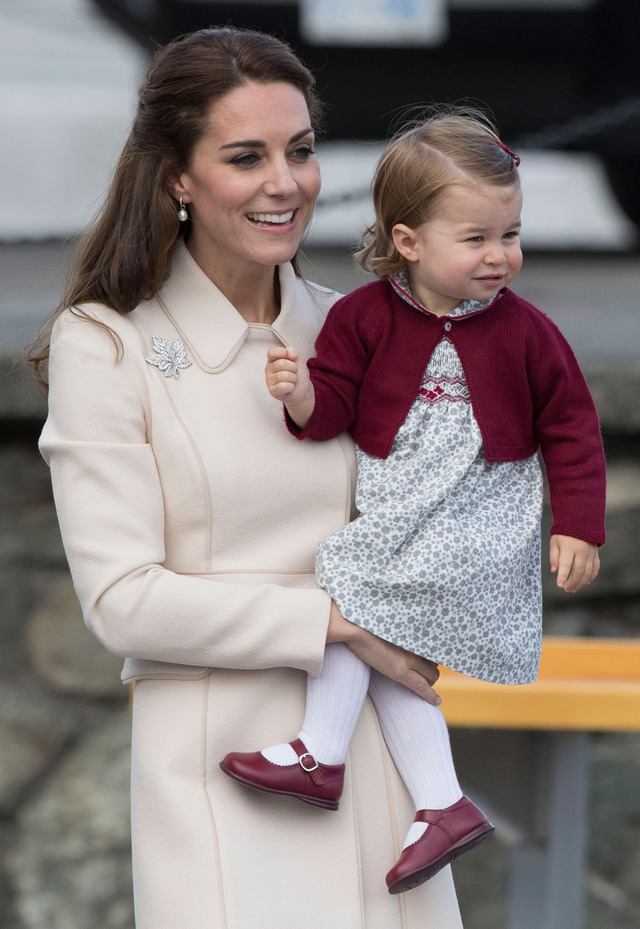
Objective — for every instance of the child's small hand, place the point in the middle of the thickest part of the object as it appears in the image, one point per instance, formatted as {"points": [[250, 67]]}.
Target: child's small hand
{"points": [[288, 380], [575, 562], [282, 372]]}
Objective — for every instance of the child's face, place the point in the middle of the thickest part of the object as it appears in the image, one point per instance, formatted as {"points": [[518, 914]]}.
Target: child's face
{"points": [[469, 250]]}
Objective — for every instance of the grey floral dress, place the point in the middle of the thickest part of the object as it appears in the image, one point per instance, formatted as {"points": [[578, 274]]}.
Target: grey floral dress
{"points": [[444, 557]]}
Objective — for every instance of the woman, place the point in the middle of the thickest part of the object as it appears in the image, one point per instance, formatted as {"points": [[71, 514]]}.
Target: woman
{"points": [[179, 492]]}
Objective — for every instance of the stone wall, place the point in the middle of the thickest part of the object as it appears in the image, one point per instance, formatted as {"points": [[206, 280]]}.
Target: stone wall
{"points": [[64, 719]]}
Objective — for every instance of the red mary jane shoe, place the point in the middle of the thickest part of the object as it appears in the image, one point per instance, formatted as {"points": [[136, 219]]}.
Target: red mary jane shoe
{"points": [[449, 834], [308, 780]]}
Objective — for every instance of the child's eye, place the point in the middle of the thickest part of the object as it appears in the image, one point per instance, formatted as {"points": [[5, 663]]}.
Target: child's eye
{"points": [[513, 234], [475, 238]]}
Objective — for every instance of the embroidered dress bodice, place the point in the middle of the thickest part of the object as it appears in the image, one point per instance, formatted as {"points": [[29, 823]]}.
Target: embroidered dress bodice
{"points": [[444, 558]]}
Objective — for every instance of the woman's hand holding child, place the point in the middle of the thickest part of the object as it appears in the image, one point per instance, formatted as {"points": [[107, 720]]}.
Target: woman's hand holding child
{"points": [[575, 562], [416, 673]]}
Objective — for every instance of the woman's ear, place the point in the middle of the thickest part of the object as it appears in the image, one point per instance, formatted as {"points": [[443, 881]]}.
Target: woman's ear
{"points": [[176, 187], [405, 240]]}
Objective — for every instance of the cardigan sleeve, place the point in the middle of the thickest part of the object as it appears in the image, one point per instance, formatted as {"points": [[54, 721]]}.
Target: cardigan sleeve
{"points": [[343, 353], [110, 507], [567, 428]]}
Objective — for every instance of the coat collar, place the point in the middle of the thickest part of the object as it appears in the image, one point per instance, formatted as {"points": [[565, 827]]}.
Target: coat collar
{"points": [[207, 322]]}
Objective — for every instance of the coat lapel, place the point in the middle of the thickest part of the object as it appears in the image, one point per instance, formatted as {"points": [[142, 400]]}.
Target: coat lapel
{"points": [[211, 329]]}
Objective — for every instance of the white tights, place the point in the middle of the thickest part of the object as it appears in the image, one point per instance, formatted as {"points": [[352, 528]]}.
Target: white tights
{"points": [[415, 732]]}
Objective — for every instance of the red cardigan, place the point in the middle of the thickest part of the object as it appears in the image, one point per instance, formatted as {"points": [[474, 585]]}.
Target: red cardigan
{"points": [[526, 389]]}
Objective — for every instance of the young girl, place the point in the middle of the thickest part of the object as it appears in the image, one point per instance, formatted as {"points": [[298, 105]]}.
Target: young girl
{"points": [[449, 383]]}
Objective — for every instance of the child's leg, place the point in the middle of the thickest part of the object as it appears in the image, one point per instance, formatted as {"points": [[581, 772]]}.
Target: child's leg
{"points": [[334, 702], [447, 824], [417, 737], [311, 768]]}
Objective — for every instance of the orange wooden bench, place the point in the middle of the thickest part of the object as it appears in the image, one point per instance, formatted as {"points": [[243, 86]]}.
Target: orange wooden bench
{"points": [[585, 685]]}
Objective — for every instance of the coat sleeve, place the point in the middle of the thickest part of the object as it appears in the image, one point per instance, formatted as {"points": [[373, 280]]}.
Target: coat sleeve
{"points": [[110, 508], [567, 428]]}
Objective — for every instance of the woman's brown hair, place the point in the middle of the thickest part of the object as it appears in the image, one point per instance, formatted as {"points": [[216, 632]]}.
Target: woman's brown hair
{"points": [[454, 145], [124, 257]]}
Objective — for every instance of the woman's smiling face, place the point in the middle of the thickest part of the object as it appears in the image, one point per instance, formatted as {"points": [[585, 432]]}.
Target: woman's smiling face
{"points": [[253, 180]]}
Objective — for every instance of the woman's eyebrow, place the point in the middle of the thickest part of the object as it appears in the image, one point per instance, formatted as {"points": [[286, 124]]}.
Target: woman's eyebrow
{"points": [[260, 143], [300, 135]]}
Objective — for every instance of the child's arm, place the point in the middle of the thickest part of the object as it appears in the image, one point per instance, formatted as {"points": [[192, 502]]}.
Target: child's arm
{"points": [[288, 380], [575, 562]]}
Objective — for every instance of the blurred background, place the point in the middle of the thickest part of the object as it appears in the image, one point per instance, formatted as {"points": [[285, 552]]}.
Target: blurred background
{"points": [[563, 81]]}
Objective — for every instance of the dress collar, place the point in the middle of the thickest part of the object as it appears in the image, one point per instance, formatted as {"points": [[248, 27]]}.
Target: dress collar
{"points": [[207, 322], [399, 280]]}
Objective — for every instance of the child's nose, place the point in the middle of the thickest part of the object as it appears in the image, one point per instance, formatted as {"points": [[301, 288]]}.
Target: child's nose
{"points": [[495, 254]]}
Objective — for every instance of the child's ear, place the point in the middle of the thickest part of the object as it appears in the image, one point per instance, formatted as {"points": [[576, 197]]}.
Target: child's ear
{"points": [[405, 240]]}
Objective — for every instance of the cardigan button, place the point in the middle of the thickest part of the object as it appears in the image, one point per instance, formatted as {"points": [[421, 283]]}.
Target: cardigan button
{"points": [[447, 326]]}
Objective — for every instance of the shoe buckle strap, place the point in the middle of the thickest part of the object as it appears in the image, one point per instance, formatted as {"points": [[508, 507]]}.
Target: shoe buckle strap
{"points": [[312, 768]]}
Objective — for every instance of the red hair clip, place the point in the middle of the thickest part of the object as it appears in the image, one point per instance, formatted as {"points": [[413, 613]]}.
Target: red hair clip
{"points": [[509, 151]]}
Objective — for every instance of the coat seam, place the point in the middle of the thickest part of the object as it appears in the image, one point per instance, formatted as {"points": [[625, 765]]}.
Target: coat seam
{"points": [[391, 807], [206, 490], [356, 832], [205, 777]]}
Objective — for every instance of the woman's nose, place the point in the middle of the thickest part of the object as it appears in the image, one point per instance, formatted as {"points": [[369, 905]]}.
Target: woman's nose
{"points": [[280, 181]]}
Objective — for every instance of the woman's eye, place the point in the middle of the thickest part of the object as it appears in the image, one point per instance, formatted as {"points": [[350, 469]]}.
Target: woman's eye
{"points": [[303, 153], [246, 160]]}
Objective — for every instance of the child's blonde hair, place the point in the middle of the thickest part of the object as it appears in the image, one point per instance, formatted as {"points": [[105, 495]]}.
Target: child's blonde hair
{"points": [[452, 146]]}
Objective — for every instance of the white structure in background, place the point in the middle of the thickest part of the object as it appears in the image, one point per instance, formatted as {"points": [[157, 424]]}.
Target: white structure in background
{"points": [[374, 22], [568, 204], [67, 90], [67, 87]]}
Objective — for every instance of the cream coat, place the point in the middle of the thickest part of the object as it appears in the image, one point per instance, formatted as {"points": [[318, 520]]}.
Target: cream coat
{"points": [[190, 518]]}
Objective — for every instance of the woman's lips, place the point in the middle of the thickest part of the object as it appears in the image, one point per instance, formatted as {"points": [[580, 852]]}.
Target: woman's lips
{"points": [[271, 219]]}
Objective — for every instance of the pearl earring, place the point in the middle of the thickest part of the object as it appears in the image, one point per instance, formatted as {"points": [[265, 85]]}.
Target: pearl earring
{"points": [[183, 216]]}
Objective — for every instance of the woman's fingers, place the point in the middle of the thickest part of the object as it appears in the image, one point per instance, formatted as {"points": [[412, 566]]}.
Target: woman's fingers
{"points": [[398, 664], [423, 688], [427, 669], [418, 674]]}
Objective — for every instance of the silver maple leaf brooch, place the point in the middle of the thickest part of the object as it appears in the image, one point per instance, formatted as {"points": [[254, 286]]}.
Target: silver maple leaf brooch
{"points": [[169, 356]]}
